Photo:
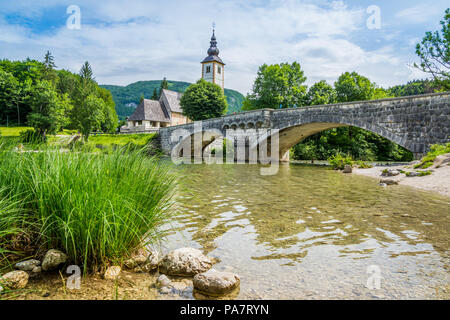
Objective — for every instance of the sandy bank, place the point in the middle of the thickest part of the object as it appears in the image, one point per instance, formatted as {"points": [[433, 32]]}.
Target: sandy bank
{"points": [[438, 182]]}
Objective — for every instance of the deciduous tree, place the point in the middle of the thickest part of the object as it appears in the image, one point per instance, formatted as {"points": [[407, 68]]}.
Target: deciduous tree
{"points": [[277, 86], [203, 100]]}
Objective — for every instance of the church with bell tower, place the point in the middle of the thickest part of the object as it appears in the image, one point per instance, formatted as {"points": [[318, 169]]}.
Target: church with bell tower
{"points": [[212, 65]]}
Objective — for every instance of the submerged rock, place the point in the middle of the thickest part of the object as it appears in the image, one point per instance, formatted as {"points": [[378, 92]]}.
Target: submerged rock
{"points": [[15, 279], [53, 258], [185, 262], [163, 281], [27, 265], [112, 273], [216, 282], [347, 169], [389, 182]]}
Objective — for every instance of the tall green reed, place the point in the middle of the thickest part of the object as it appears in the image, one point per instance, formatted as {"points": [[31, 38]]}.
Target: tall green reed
{"points": [[95, 207]]}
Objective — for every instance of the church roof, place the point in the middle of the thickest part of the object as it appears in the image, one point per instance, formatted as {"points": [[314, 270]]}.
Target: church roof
{"points": [[213, 58], [161, 110], [150, 110], [171, 100]]}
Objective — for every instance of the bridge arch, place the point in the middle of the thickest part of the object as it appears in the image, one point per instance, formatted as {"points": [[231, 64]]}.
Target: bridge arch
{"points": [[206, 137], [291, 135]]}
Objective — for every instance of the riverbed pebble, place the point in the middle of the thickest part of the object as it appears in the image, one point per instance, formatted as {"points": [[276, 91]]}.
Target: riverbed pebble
{"points": [[52, 259], [112, 273], [15, 279], [27, 265], [216, 282], [185, 262]]}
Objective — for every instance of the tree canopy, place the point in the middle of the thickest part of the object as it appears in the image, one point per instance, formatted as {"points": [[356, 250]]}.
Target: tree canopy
{"points": [[203, 100], [35, 93], [434, 53], [277, 86]]}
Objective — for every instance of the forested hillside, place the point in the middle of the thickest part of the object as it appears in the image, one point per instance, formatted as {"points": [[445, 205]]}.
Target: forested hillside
{"points": [[127, 98]]}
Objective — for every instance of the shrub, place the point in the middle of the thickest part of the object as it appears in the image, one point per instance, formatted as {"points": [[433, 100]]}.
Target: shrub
{"points": [[95, 207], [338, 162]]}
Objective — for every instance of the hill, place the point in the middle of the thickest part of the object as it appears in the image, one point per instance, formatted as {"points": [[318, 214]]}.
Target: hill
{"points": [[127, 98]]}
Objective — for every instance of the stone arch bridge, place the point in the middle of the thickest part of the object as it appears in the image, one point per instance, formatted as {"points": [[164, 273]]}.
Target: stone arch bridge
{"points": [[414, 122]]}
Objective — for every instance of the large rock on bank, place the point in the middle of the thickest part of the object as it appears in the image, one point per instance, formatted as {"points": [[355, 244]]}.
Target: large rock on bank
{"points": [[185, 262], [15, 280], [216, 282], [53, 258], [441, 160], [144, 260], [28, 265]]}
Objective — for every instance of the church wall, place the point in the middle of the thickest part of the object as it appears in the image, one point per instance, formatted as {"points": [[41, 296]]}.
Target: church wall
{"points": [[178, 118]]}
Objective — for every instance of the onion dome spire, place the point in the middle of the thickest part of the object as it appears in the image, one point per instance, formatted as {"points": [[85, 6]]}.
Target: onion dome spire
{"points": [[213, 50]]}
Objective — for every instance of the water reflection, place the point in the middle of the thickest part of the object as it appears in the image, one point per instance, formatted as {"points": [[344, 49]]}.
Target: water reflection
{"points": [[308, 218]]}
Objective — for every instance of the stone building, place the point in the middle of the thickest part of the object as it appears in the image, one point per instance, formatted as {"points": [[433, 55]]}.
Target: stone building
{"points": [[151, 115]]}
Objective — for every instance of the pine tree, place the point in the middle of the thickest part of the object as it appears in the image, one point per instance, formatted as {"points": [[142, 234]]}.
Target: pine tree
{"points": [[49, 68], [155, 94], [164, 85], [141, 99], [49, 61]]}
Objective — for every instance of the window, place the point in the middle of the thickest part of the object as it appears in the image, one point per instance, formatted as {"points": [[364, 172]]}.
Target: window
{"points": [[208, 69], [219, 70]]}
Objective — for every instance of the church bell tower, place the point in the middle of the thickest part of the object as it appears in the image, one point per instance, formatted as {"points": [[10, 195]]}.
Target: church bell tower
{"points": [[212, 65]]}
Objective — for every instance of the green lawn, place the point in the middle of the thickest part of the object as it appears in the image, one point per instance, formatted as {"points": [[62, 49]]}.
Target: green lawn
{"points": [[15, 131], [12, 131], [120, 139]]}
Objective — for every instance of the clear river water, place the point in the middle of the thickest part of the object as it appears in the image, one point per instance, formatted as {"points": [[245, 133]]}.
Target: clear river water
{"points": [[312, 233]]}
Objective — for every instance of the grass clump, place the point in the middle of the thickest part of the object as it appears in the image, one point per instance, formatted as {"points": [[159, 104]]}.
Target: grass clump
{"points": [[420, 173], [338, 161], [363, 165], [13, 226], [97, 208], [435, 151]]}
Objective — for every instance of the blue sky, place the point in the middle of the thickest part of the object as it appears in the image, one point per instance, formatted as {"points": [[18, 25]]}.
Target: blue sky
{"points": [[128, 41]]}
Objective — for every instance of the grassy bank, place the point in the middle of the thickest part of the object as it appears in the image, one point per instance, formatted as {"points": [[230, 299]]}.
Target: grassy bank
{"points": [[95, 207]]}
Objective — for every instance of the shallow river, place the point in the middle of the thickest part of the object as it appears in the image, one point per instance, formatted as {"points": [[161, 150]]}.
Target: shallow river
{"points": [[311, 232]]}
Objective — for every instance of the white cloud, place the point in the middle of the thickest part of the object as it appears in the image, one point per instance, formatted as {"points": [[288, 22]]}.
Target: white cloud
{"points": [[150, 39], [418, 14]]}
